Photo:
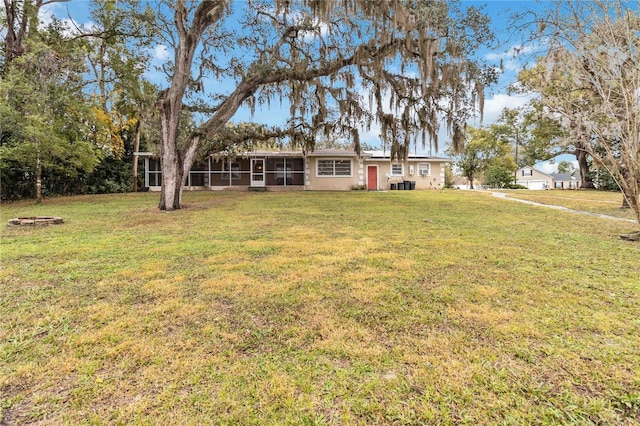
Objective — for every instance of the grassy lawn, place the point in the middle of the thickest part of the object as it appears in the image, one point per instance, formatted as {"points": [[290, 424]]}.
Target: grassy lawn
{"points": [[318, 308], [600, 202]]}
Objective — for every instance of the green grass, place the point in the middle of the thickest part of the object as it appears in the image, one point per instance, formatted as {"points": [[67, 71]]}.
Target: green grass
{"points": [[600, 202], [317, 308]]}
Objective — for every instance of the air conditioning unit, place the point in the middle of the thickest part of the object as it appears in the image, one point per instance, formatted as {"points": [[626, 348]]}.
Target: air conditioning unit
{"points": [[424, 172]]}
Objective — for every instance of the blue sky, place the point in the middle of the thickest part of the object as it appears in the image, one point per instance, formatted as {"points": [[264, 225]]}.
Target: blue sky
{"points": [[496, 96]]}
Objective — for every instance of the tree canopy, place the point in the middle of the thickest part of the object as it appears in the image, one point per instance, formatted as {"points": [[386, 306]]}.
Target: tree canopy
{"points": [[590, 79], [484, 153], [340, 66], [45, 121]]}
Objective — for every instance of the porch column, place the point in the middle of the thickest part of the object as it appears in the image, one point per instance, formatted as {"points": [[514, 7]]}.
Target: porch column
{"points": [[146, 171]]}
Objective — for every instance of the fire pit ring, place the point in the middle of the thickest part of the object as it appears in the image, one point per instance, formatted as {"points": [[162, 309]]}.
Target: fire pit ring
{"points": [[36, 221]]}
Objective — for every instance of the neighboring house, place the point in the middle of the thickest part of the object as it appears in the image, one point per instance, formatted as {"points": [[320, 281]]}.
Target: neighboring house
{"points": [[535, 179], [336, 170], [565, 181], [461, 182]]}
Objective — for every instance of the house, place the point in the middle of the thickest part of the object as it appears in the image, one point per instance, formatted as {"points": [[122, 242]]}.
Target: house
{"points": [[535, 179], [333, 170], [564, 181], [461, 182]]}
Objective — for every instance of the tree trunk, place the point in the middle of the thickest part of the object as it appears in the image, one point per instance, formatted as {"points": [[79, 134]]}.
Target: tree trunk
{"points": [[172, 182], [585, 177], [136, 147], [625, 203], [170, 103], [38, 180]]}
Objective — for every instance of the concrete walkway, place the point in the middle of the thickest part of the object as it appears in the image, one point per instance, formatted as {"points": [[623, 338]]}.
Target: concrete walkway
{"points": [[566, 209]]}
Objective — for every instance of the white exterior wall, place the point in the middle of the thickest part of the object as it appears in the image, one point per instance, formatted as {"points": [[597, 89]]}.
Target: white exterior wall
{"points": [[537, 180]]}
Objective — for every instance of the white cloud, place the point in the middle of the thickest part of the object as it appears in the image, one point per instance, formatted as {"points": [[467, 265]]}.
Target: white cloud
{"points": [[551, 166], [320, 30], [547, 167], [160, 52], [512, 52], [72, 26], [494, 106]]}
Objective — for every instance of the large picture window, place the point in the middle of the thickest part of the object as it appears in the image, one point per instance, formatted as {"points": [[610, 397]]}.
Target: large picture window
{"points": [[334, 167]]}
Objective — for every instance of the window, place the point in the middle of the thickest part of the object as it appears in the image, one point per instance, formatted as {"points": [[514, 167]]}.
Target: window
{"points": [[154, 172], [235, 170], [424, 169], [334, 168], [396, 170], [527, 172]]}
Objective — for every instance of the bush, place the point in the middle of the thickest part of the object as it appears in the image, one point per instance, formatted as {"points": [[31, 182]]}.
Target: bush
{"points": [[497, 176]]}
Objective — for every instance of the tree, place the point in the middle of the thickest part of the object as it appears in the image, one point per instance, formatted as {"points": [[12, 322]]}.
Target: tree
{"points": [[567, 168], [21, 22], [117, 45], [319, 57], [449, 177], [591, 79], [498, 176], [484, 151], [534, 133], [44, 121], [570, 137]]}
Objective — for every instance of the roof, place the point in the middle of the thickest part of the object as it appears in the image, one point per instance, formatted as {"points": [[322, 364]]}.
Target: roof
{"points": [[414, 156], [533, 168], [562, 176], [332, 153], [272, 154]]}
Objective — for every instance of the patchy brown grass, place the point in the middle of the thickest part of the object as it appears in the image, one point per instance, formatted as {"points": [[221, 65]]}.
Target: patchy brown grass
{"points": [[317, 308]]}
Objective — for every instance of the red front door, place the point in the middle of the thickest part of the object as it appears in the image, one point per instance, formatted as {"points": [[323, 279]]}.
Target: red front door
{"points": [[372, 177]]}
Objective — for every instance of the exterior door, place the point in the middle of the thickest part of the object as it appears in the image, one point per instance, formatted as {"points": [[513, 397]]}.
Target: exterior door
{"points": [[257, 172], [372, 178]]}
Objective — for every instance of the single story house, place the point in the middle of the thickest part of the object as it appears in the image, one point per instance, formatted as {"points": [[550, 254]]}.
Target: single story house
{"points": [[334, 170], [535, 179]]}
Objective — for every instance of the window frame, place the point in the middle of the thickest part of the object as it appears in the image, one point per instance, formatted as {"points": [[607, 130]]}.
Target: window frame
{"points": [[333, 167], [401, 169], [423, 165], [527, 172]]}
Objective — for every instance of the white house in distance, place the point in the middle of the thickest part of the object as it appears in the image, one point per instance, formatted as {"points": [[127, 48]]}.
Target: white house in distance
{"points": [[535, 179], [333, 170]]}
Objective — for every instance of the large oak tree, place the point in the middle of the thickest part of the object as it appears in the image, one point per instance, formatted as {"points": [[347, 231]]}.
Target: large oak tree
{"points": [[340, 66]]}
